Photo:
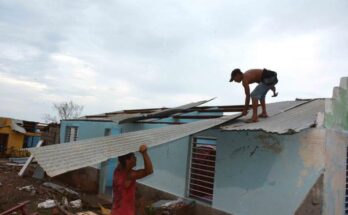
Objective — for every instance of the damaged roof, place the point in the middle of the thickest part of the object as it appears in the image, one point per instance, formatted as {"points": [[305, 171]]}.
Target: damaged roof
{"points": [[127, 116], [61, 158], [284, 117], [154, 114]]}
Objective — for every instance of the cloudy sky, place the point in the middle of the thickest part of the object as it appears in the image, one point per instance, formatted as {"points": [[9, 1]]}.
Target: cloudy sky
{"points": [[114, 55]]}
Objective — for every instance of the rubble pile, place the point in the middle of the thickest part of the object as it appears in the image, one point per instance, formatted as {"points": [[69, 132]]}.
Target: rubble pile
{"points": [[44, 196]]}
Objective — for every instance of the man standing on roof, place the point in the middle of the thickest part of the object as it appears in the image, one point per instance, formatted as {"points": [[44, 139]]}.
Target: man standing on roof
{"points": [[123, 184], [266, 80]]}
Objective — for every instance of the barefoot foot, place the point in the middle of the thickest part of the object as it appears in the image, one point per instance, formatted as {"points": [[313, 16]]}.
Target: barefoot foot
{"points": [[252, 120], [263, 115]]}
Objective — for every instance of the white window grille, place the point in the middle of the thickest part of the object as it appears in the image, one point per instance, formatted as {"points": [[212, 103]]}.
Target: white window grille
{"points": [[202, 169], [71, 133]]}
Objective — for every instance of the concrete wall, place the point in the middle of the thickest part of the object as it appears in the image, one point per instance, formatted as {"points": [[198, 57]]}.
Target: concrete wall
{"points": [[15, 140], [88, 129], [335, 173], [336, 122], [262, 173], [170, 163], [336, 116]]}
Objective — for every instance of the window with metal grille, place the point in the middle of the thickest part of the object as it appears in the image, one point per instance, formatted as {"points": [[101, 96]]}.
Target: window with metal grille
{"points": [[71, 133], [107, 132], [202, 169]]}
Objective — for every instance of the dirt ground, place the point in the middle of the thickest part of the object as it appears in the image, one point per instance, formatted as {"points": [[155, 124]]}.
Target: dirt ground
{"points": [[10, 195]]}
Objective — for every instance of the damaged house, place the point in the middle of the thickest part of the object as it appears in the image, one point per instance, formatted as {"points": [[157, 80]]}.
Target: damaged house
{"points": [[293, 162], [16, 135]]}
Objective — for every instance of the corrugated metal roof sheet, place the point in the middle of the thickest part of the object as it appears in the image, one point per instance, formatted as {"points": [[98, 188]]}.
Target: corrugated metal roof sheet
{"points": [[288, 117], [60, 158], [16, 127], [163, 113]]}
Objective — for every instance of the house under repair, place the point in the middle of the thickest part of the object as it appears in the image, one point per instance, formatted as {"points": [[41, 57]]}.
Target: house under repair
{"points": [[294, 162]]}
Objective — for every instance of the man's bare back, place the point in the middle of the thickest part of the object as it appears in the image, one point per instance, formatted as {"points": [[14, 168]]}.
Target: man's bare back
{"points": [[266, 80], [252, 76]]}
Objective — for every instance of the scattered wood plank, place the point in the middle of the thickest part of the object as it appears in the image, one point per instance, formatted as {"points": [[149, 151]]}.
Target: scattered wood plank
{"points": [[21, 173]]}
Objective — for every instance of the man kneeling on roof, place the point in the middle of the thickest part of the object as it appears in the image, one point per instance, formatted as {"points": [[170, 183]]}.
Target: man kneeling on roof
{"points": [[266, 80], [124, 181]]}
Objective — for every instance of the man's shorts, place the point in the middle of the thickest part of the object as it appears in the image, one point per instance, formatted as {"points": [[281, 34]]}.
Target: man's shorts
{"points": [[260, 91]]}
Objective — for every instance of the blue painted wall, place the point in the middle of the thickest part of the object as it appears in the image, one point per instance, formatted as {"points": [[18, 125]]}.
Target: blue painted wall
{"points": [[253, 169], [260, 173], [88, 129], [32, 141], [170, 163]]}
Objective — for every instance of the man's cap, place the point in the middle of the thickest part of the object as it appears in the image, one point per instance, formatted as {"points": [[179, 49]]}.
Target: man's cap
{"points": [[234, 73]]}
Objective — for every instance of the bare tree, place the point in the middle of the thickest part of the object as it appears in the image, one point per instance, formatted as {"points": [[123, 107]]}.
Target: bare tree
{"points": [[64, 110]]}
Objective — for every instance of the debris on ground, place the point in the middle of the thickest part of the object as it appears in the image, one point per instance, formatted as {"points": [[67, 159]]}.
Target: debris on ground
{"points": [[15, 190], [86, 213], [20, 160], [171, 207], [19, 207], [104, 211], [76, 203], [61, 189], [47, 204], [28, 188]]}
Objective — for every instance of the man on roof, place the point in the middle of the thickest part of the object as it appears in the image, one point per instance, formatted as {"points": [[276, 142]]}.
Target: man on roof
{"points": [[123, 184], [266, 80]]}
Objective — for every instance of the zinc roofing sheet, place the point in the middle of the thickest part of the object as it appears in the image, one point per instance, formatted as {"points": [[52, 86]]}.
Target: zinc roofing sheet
{"points": [[61, 158], [158, 114], [285, 117]]}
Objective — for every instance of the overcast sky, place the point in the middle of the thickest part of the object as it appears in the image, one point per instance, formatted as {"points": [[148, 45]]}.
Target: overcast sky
{"points": [[114, 55]]}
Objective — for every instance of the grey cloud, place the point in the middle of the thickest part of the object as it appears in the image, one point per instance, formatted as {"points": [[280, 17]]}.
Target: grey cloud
{"points": [[160, 53]]}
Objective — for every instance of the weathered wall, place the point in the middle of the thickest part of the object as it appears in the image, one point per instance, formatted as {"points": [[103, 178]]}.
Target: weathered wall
{"points": [[15, 139], [335, 173], [262, 173], [85, 179], [87, 129], [336, 122], [336, 116], [147, 195], [170, 163], [313, 204]]}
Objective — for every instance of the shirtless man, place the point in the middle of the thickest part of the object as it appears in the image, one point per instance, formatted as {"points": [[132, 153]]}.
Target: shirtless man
{"points": [[266, 80]]}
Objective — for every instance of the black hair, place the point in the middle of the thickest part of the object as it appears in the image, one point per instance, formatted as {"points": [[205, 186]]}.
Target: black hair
{"points": [[122, 159]]}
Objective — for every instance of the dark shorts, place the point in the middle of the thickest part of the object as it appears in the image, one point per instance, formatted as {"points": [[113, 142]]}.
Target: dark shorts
{"points": [[269, 79], [260, 91]]}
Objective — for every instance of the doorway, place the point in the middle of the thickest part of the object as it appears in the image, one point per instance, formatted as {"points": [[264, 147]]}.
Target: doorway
{"points": [[3, 143]]}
